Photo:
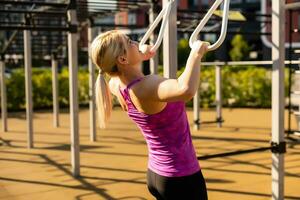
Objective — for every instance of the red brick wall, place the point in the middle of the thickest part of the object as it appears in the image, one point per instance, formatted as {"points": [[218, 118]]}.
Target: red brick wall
{"points": [[295, 18], [183, 4], [121, 18], [140, 19]]}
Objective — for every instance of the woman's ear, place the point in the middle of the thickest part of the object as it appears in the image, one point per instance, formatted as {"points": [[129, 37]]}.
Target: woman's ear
{"points": [[122, 60]]}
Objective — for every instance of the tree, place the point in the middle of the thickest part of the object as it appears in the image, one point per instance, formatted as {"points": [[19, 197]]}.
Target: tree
{"points": [[240, 48]]}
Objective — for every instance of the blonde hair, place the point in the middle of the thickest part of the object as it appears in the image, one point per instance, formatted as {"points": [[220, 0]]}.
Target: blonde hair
{"points": [[104, 52]]}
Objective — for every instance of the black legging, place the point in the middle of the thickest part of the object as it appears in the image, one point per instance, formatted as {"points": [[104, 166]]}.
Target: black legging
{"points": [[177, 188]]}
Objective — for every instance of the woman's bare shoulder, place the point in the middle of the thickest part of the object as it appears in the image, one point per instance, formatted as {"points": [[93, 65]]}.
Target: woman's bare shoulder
{"points": [[153, 79], [149, 86]]}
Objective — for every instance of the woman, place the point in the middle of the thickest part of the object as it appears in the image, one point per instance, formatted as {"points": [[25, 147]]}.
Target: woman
{"points": [[157, 106]]}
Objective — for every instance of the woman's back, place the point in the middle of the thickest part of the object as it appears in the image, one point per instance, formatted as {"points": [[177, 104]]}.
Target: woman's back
{"points": [[167, 134], [174, 172]]}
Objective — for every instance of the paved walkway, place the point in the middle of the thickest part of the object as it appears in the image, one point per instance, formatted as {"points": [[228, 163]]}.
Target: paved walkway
{"points": [[114, 167]]}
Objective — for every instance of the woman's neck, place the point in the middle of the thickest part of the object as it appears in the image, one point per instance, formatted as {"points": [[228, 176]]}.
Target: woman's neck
{"points": [[129, 75]]}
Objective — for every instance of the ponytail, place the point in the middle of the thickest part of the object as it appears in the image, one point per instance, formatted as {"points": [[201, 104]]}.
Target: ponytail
{"points": [[104, 50], [103, 100]]}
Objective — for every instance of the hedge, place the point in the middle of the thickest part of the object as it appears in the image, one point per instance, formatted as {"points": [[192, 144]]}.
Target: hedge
{"points": [[242, 87], [42, 88]]}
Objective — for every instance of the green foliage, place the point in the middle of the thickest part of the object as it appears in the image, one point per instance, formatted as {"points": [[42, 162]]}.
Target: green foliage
{"points": [[42, 88], [241, 87], [183, 51], [240, 48], [249, 87], [15, 88]]}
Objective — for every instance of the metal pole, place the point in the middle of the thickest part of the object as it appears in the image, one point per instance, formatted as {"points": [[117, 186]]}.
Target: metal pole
{"points": [[170, 43], [3, 95], [196, 109], [93, 130], [73, 82], [278, 57], [290, 72], [219, 95], [28, 85], [54, 65], [292, 6], [153, 37]]}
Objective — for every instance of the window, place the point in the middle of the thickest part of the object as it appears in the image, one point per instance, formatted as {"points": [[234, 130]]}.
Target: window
{"points": [[194, 2], [132, 18], [205, 2], [252, 1], [235, 1]]}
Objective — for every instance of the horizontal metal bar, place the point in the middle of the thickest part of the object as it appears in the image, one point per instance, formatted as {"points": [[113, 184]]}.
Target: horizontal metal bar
{"points": [[91, 4], [118, 25], [297, 133], [117, 9], [295, 92], [42, 43], [292, 6], [40, 37], [183, 30], [188, 18], [205, 11], [209, 122], [34, 28], [115, 1], [59, 5], [34, 12], [246, 63], [296, 113], [109, 7], [10, 22]]}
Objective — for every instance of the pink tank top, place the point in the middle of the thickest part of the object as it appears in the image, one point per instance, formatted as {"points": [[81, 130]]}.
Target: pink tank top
{"points": [[168, 137]]}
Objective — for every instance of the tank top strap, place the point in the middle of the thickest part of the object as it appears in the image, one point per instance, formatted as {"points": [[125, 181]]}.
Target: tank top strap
{"points": [[135, 81], [125, 92]]}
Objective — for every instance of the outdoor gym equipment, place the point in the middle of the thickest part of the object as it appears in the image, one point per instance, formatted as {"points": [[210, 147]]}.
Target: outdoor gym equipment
{"points": [[210, 12], [164, 16]]}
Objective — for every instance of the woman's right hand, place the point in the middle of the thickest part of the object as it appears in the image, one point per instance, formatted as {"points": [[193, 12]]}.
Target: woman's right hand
{"points": [[199, 48], [147, 53]]}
